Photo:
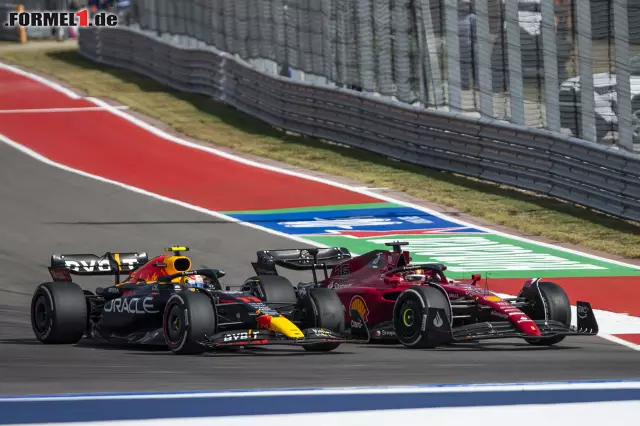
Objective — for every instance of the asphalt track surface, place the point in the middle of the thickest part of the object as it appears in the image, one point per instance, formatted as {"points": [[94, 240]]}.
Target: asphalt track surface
{"points": [[44, 209]]}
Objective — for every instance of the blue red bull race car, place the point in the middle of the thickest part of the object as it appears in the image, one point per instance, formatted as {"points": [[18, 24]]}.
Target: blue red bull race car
{"points": [[162, 301]]}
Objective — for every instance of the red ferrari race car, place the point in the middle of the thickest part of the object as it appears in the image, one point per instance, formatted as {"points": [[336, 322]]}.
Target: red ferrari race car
{"points": [[387, 297]]}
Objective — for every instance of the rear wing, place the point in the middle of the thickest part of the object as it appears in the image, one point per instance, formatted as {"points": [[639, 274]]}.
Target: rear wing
{"points": [[91, 265], [304, 259]]}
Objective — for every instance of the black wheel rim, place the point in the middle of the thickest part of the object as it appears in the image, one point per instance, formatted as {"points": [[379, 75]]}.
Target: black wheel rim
{"points": [[408, 319], [175, 324], [42, 314]]}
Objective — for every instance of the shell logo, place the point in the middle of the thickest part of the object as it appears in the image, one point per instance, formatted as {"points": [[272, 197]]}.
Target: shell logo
{"points": [[359, 305]]}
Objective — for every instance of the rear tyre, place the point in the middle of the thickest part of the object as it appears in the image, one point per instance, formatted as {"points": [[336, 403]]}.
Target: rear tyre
{"points": [[323, 309], [59, 313], [408, 311], [276, 291], [188, 319], [552, 300]]}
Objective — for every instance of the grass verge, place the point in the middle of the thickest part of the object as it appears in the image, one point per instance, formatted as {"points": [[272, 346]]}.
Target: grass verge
{"points": [[204, 119]]}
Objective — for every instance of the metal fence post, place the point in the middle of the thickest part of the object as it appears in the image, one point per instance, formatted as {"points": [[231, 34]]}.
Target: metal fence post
{"points": [[22, 32], [623, 75], [585, 45], [550, 67], [485, 72], [516, 89], [432, 70], [453, 54]]}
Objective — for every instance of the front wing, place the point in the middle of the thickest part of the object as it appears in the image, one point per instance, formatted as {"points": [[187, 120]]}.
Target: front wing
{"points": [[267, 337], [586, 326], [357, 334], [504, 330]]}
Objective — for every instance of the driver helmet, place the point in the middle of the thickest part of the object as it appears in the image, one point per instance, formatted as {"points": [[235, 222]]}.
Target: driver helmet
{"points": [[194, 281], [415, 275]]}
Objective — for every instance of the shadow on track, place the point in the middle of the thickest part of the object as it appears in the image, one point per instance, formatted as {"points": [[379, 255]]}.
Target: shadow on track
{"points": [[134, 349], [294, 351], [484, 347]]}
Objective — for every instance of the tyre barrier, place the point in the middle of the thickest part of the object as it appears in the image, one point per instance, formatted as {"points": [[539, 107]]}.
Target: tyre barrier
{"points": [[527, 404]]}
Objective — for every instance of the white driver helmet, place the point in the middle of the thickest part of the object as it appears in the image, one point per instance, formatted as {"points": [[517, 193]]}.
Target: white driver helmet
{"points": [[194, 281]]}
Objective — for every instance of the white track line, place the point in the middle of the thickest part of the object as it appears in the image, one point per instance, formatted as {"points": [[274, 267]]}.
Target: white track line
{"points": [[620, 341], [423, 389], [48, 83], [47, 110], [276, 169]]}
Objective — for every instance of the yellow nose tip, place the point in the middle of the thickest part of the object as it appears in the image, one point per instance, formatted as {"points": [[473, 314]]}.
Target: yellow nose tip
{"points": [[286, 327]]}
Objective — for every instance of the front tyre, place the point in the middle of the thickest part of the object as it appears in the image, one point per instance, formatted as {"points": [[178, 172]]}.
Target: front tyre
{"points": [[188, 319], [547, 300], [408, 312], [276, 291], [323, 309], [59, 313]]}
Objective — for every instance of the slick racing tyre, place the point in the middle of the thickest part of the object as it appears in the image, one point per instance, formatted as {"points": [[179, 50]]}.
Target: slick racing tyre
{"points": [[549, 298], [59, 313], [188, 319], [408, 312], [323, 309], [276, 291]]}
